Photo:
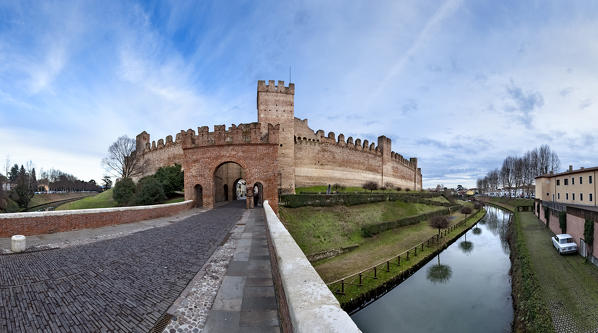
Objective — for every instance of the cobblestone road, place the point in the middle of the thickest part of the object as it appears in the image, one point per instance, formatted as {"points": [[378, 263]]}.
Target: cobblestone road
{"points": [[122, 284]]}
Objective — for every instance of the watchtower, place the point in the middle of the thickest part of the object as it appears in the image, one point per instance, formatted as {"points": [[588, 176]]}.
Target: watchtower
{"points": [[276, 105]]}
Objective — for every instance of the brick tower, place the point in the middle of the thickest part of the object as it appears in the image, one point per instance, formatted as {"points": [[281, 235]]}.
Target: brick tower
{"points": [[276, 105]]}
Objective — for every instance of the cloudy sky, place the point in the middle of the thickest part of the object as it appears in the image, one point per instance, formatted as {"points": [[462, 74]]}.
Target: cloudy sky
{"points": [[458, 84]]}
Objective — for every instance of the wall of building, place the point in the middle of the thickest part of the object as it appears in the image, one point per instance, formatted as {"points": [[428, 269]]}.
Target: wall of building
{"points": [[575, 225], [38, 223]]}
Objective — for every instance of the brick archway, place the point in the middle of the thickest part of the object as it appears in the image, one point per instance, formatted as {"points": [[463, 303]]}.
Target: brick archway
{"points": [[259, 162]]}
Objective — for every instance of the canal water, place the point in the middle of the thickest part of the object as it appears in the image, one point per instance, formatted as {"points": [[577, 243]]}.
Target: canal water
{"points": [[467, 288]]}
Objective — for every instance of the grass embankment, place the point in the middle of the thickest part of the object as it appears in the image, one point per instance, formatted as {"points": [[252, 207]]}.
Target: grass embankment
{"points": [[374, 256], [101, 200], [318, 229], [564, 285], [509, 203], [46, 198], [350, 189]]}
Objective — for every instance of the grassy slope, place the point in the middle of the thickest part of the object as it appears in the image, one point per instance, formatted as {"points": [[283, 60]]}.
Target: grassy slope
{"points": [[42, 199], [569, 286], [377, 248], [174, 200], [101, 200], [323, 228]]}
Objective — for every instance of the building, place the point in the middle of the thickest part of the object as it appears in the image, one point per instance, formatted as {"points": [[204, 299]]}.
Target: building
{"points": [[277, 153], [571, 194]]}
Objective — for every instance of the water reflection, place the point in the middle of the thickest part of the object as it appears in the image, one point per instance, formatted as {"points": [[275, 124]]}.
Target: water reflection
{"points": [[477, 230], [439, 273], [475, 283], [466, 246]]}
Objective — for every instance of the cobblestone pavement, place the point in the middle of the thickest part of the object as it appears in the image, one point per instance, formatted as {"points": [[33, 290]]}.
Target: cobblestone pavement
{"points": [[123, 284]]}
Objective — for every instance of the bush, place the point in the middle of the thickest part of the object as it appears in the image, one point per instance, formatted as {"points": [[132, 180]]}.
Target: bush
{"points": [[399, 188], [563, 222], [407, 189], [439, 222], [373, 229], [588, 236], [546, 215], [338, 187], [371, 186], [389, 185], [466, 210], [538, 209], [124, 192], [149, 191], [477, 205], [171, 178]]}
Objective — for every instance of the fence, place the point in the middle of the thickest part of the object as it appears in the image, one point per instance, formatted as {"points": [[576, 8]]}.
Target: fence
{"points": [[358, 280]]}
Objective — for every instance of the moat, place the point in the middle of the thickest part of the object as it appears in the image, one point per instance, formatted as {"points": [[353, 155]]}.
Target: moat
{"points": [[467, 288]]}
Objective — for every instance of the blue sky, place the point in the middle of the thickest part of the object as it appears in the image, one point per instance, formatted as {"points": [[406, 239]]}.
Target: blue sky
{"points": [[458, 84]]}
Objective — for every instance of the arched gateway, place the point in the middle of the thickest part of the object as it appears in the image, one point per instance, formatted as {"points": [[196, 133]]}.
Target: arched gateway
{"points": [[218, 160]]}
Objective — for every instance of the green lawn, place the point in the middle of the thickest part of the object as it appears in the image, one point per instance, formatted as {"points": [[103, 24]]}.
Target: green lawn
{"points": [[44, 198], [317, 229], [569, 286], [174, 200], [377, 248], [101, 200]]}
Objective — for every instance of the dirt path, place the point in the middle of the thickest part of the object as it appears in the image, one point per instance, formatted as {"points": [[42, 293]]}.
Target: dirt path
{"points": [[570, 286]]}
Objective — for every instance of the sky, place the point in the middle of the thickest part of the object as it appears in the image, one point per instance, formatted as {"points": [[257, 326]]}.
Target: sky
{"points": [[458, 84]]}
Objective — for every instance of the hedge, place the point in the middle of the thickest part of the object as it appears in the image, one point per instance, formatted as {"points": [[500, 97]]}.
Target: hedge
{"points": [[373, 229], [350, 199]]}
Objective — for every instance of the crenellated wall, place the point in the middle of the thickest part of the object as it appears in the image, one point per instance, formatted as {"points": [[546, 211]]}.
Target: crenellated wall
{"points": [[323, 159]]}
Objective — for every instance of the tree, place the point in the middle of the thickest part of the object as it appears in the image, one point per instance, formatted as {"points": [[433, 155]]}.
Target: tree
{"points": [[588, 236], [370, 186], [466, 210], [107, 182], [171, 178], [439, 222], [14, 173], [122, 160], [124, 192], [149, 191], [22, 193]]}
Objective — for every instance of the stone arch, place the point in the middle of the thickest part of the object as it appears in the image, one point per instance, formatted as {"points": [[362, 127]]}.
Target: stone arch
{"points": [[236, 188], [198, 192], [224, 177]]}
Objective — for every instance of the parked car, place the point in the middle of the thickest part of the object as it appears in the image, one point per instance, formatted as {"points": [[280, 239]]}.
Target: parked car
{"points": [[564, 243]]}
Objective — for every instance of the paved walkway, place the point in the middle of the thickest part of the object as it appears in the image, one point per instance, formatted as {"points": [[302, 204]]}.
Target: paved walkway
{"points": [[123, 284], [86, 236], [246, 300]]}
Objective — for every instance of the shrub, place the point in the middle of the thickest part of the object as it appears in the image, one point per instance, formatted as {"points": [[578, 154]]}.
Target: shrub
{"points": [[538, 209], [370, 186], [171, 178], [389, 185], [439, 222], [466, 210], [399, 188], [563, 222], [407, 189], [588, 236], [338, 187], [124, 192], [546, 215], [477, 205], [149, 191]]}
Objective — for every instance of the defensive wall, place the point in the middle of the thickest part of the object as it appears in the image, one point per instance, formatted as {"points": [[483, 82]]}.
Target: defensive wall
{"points": [[303, 156], [38, 223]]}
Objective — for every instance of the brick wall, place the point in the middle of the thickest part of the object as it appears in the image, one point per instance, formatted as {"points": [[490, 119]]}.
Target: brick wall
{"points": [[37, 223]]}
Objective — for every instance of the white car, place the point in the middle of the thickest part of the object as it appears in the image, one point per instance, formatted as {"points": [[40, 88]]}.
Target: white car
{"points": [[564, 243]]}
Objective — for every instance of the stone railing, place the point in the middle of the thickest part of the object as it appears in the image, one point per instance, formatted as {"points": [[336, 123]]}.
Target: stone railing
{"points": [[312, 306], [37, 223]]}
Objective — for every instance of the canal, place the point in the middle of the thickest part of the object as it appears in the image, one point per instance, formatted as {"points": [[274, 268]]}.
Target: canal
{"points": [[466, 288]]}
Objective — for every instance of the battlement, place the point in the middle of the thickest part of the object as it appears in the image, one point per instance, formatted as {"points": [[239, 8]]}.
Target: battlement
{"points": [[271, 87], [357, 144], [242, 134]]}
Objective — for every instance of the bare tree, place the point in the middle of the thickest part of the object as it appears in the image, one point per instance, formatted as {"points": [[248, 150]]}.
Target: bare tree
{"points": [[506, 173], [518, 173], [122, 160], [555, 162]]}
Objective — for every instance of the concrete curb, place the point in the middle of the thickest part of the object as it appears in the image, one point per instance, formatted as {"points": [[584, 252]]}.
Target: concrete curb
{"points": [[312, 306]]}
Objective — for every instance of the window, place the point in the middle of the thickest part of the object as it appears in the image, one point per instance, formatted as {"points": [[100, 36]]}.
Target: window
{"points": [[566, 196], [573, 196], [590, 196], [590, 179], [572, 180], [580, 196], [580, 180], [558, 182], [566, 181], [558, 195]]}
